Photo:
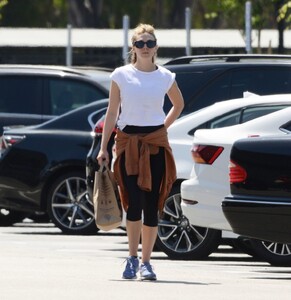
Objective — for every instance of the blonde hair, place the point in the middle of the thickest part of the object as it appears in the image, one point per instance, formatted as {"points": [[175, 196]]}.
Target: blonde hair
{"points": [[140, 29]]}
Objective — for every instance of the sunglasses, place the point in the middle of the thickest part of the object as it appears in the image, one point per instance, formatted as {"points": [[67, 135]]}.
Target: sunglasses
{"points": [[149, 43]]}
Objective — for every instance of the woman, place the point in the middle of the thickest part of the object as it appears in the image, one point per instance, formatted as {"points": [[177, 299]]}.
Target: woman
{"points": [[144, 167]]}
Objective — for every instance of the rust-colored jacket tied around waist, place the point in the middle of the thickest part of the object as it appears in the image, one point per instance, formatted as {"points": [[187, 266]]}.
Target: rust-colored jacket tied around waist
{"points": [[137, 149]]}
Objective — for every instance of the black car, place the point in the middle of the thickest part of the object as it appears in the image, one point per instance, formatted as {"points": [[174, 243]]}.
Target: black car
{"points": [[42, 169], [205, 80], [31, 95], [260, 182]]}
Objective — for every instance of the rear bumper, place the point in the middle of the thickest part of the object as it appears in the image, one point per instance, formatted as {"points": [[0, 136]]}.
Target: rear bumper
{"points": [[206, 212], [264, 220]]}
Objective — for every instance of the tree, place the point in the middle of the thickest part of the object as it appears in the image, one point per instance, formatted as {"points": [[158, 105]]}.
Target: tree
{"points": [[2, 4], [34, 13], [85, 13], [216, 14], [284, 19], [285, 12]]}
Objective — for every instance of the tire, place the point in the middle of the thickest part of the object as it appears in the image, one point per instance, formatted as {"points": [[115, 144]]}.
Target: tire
{"points": [[9, 217], [69, 206], [275, 254], [178, 238]]}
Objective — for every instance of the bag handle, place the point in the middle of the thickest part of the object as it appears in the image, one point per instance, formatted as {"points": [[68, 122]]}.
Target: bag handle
{"points": [[104, 166]]}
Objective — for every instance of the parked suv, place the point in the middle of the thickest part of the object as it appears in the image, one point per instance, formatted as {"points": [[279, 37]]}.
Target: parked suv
{"points": [[33, 94]]}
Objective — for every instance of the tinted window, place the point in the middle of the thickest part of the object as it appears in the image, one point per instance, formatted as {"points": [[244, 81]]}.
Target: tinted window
{"points": [[256, 112], [287, 126], [233, 83], [67, 94], [217, 89], [244, 115], [229, 119], [19, 94], [239, 116], [189, 83], [261, 81]]}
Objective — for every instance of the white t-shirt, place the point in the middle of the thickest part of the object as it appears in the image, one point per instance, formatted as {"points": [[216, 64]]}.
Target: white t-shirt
{"points": [[142, 95]]}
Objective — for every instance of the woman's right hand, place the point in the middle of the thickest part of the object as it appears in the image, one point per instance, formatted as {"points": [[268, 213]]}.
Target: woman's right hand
{"points": [[103, 157]]}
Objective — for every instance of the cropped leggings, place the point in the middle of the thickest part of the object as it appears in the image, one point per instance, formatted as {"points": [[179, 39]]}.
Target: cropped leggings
{"points": [[140, 201]]}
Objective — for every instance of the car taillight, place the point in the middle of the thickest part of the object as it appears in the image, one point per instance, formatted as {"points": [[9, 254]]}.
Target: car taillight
{"points": [[203, 154], [99, 127], [237, 173], [10, 140]]}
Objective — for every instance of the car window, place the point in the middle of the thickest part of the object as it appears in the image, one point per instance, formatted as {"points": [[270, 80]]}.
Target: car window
{"points": [[239, 116], [226, 120], [20, 94], [256, 112], [287, 127], [262, 81], [189, 83], [243, 115], [216, 90], [68, 94], [232, 83]]}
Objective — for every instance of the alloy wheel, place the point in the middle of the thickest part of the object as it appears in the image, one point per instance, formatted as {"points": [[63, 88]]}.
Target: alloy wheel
{"points": [[71, 209], [276, 254], [181, 240], [277, 248]]}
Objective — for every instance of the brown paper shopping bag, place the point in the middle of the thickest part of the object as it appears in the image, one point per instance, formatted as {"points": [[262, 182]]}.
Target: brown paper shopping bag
{"points": [[107, 207]]}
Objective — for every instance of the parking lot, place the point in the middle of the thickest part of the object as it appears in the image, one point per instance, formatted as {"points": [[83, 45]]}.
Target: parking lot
{"points": [[39, 262]]}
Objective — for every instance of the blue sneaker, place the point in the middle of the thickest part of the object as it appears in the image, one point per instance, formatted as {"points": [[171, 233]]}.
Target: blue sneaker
{"points": [[146, 272], [131, 268]]}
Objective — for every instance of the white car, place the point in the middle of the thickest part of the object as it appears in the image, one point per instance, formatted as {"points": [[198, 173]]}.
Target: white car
{"points": [[203, 193], [176, 235]]}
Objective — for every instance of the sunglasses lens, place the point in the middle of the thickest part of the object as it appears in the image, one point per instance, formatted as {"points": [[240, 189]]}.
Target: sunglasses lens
{"points": [[149, 43], [139, 44]]}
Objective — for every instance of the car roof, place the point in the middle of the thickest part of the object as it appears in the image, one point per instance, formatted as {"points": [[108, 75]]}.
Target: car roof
{"points": [[71, 118], [190, 64], [98, 75], [52, 69], [74, 120], [229, 58]]}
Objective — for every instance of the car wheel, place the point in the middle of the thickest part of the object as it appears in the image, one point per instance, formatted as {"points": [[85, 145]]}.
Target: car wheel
{"points": [[276, 254], [69, 206], [9, 217], [178, 238]]}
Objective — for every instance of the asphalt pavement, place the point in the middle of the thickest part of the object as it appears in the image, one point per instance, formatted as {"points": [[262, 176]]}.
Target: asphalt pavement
{"points": [[37, 261]]}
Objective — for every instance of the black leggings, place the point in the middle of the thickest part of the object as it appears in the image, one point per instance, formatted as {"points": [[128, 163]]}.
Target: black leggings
{"points": [[139, 200]]}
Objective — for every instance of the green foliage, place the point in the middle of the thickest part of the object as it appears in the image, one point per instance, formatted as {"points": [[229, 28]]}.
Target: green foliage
{"points": [[285, 13], [34, 13], [2, 4], [161, 13]]}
